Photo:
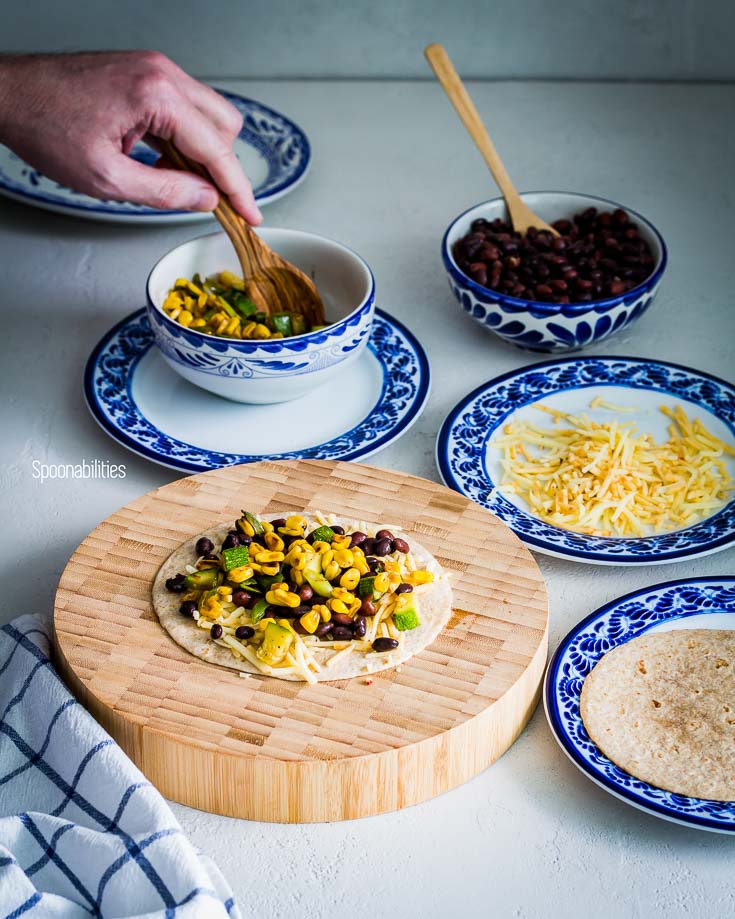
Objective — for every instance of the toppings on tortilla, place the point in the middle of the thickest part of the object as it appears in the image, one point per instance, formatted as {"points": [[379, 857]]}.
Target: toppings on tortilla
{"points": [[276, 594]]}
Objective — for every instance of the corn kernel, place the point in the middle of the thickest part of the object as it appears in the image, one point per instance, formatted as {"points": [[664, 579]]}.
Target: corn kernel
{"points": [[344, 558], [325, 613], [320, 546], [254, 546], [264, 623], [265, 557], [381, 581], [286, 624], [296, 522], [419, 577], [224, 591], [331, 571], [197, 324], [202, 301], [185, 318], [310, 621], [238, 575], [231, 280], [261, 331], [339, 593], [297, 577], [270, 570], [327, 557], [341, 541], [267, 526], [337, 606], [233, 325], [274, 541], [350, 579]]}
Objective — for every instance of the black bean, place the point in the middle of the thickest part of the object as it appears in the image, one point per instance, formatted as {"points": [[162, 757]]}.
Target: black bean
{"points": [[323, 629], [241, 597], [204, 546], [340, 531], [175, 584], [384, 644], [278, 522], [400, 545], [382, 547], [367, 607], [368, 547], [188, 608], [358, 538], [403, 588], [342, 619], [359, 627], [384, 534], [306, 593], [243, 632], [216, 631], [231, 541], [374, 563], [342, 633]]}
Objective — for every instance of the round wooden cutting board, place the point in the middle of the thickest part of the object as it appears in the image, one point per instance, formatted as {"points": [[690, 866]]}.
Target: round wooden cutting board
{"points": [[266, 749]]}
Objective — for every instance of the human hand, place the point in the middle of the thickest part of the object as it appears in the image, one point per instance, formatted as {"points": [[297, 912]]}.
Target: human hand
{"points": [[75, 117]]}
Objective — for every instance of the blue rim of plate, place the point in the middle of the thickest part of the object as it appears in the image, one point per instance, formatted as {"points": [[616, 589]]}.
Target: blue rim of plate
{"points": [[280, 141], [467, 428], [108, 392], [611, 625]]}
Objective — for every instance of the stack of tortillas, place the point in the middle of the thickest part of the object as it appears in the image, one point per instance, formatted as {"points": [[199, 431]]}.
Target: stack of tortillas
{"points": [[662, 707]]}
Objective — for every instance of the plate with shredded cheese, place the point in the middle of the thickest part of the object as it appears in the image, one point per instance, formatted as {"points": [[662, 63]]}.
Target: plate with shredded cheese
{"points": [[620, 461]]}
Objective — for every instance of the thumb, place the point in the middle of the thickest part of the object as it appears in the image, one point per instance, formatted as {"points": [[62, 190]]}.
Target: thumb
{"points": [[168, 189]]}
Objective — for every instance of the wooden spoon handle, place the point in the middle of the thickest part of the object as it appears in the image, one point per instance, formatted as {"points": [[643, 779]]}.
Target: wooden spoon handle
{"points": [[442, 66], [247, 244]]}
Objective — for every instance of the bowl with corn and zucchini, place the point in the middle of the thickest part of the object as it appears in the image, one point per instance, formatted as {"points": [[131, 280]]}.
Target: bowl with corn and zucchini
{"points": [[210, 333]]}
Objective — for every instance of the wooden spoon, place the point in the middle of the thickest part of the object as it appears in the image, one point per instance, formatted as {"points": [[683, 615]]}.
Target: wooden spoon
{"points": [[273, 284], [521, 215]]}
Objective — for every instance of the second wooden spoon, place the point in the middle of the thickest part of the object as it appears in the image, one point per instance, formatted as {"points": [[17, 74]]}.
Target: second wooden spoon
{"points": [[272, 283], [521, 215]]}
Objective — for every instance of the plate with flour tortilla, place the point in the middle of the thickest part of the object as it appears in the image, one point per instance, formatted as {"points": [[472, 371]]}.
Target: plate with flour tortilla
{"points": [[641, 697]]}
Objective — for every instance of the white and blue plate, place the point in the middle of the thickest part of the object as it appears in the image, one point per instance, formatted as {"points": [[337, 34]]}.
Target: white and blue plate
{"points": [[274, 153], [469, 463], [693, 603], [140, 402]]}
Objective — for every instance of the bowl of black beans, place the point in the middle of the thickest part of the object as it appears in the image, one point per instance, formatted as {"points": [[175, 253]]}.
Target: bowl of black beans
{"points": [[544, 292]]}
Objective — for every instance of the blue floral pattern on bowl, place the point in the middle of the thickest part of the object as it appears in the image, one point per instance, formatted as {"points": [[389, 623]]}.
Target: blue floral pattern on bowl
{"points": [[608, 627], [549, 327], [282, 144], [463, 438], [262, 360], [108, 392]]}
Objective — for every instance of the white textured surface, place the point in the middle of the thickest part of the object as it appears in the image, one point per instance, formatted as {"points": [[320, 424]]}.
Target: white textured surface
{"points": [[391, 168]]}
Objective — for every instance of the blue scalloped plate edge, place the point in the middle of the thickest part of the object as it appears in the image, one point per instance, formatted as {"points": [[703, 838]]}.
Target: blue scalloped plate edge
{"points": [[504, 509], [551, 708], [423, 388]]}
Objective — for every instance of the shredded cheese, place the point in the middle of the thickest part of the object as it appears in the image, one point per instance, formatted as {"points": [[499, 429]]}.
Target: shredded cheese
{"points": [[605, 479]]}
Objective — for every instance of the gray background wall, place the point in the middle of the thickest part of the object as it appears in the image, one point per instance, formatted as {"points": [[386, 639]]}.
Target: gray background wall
{"points": [[578, 39]]}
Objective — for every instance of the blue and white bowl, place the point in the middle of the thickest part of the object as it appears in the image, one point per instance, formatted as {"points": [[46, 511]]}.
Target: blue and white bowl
{"points": [[549, 326], [266, 371]]}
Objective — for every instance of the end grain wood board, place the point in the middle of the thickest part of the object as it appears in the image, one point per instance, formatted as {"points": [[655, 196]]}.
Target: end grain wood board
{"points": [[266, 749]]}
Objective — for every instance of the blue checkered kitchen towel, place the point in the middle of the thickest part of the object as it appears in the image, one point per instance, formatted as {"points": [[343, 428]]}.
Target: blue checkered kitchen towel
{"points": [[82, 833]]}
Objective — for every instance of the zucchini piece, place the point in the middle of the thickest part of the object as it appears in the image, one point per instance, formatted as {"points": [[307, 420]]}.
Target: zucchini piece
{"points": [[244, 306], [366, 588], [258, 611], [235, 557], [281, 322], [298, 324], [202, 580], [277, 641], [247, 517], [322, 534], [406, 612]]}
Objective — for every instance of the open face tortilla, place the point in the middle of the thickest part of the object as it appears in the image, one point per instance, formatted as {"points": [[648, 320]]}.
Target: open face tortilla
{"points": [[662, 707], [435, 612]]}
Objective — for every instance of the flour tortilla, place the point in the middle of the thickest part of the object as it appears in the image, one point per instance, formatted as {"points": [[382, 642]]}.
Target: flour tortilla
{"points": [[435, 611], [662, 707]]}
